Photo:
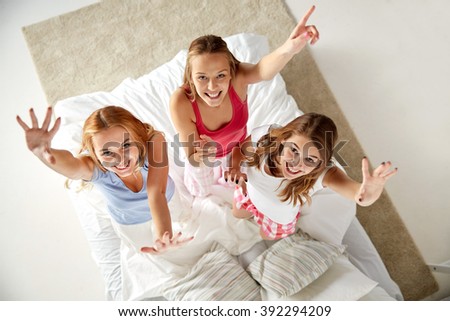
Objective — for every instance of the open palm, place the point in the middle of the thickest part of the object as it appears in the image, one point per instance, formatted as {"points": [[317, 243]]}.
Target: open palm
{"points": [[39, 139], [373, 184]]}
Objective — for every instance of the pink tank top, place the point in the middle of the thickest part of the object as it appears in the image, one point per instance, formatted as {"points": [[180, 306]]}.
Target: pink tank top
{"points": [[230, 134]]}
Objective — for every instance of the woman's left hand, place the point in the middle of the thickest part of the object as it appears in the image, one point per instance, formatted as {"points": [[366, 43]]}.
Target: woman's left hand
{"points": [[235, 176], [373, 184], [166, 243]]}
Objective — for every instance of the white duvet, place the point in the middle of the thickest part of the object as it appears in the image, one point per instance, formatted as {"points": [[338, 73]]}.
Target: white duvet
{"points": [[140, 276]]}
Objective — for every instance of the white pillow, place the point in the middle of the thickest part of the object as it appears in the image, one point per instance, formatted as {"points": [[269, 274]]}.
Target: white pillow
{"points": [[292, 263], [217, 276], [328, 216], [341, 282]]}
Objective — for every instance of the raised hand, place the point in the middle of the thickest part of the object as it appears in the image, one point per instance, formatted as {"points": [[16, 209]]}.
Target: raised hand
{"points": [[301, 34], [373, 184], [39, 139], [205, 150], [166, 243]]}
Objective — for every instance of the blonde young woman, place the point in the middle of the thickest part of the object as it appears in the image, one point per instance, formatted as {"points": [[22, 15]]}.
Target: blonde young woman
{"points": [[285, 164], [125, 159], [210, 111]]}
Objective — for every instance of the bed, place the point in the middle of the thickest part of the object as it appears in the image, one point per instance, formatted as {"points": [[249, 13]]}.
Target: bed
{"points": [[350, 267]]}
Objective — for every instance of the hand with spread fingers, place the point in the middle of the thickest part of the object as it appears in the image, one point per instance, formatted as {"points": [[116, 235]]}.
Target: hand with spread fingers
{"points": [[39, 139], [373, 184], [166, 243], [235, 176], [205, 151]]}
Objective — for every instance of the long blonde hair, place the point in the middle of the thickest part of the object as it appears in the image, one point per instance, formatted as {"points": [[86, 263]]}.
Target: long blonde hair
{"points": [[208, 44], [322, 132], [111, 116]]}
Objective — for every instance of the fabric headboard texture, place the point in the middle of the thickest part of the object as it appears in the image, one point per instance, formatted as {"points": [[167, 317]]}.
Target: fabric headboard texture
{"points": [[96, 47]]}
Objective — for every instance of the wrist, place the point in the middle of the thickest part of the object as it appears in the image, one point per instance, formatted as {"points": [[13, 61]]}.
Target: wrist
{"points": [[41, 154], [236, 167], [286, 51]]}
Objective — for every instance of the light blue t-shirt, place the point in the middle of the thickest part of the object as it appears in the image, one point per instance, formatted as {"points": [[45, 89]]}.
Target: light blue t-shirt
{"points": [[125, 206]]}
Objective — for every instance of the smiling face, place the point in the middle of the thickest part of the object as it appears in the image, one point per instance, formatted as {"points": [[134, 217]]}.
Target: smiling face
{"points": [[116, 151], [211, 77], [299, 157]]}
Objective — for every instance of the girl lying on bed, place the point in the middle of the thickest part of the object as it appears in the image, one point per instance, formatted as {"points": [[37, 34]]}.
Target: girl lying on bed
{"points": [[126, 159], [285, 164], [210, 108]]}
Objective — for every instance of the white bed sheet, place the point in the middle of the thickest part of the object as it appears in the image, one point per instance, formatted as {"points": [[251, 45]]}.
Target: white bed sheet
{"points": [[138, 276]]}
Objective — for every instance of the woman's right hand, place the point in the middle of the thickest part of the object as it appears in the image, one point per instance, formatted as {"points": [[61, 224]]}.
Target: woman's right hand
{"points": [[205, 151], [39, 139]]}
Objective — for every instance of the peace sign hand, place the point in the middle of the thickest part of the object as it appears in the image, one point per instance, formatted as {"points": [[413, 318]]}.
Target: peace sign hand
{"points": [[301, 34], [373, 184], [39, 139]]}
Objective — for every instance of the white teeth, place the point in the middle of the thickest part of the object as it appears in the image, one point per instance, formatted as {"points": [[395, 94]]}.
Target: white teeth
{"points": [[120, 168], [213, 95], [290, 170]]}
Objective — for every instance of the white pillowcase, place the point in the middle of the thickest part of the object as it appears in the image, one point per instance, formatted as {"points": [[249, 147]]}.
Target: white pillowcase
{"points": [[341, 282], [217, 276], [328, 216], [292, 263]]}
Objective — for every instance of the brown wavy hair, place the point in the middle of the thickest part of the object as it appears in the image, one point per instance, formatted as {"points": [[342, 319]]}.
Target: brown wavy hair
{"points": [[208, 44], [112, 116], [322, 133]]}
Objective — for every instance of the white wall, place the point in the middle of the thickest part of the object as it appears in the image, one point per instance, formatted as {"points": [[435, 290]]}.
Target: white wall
{"points": [[385, 61]]}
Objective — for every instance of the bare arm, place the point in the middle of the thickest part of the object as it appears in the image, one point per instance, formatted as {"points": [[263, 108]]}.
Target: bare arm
{"points": [[39, 139], [338, 181], [233, 173], [365, 193], [158, 173], [274, 62]]}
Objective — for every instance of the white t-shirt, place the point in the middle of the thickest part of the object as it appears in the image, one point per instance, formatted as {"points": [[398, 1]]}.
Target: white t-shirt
{"points": [[263, 189]]}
